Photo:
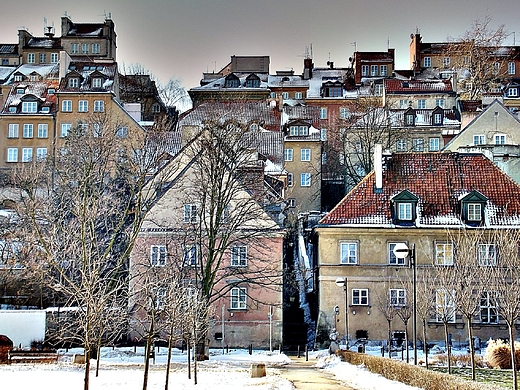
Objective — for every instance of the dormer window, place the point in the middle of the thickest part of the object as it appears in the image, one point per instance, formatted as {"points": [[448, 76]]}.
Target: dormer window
{"points": [[437, 116], [404, 208], [232, 81], [73, 82], [512, 92], [29, 107], [473, 206], [253, 81], [332, 89], [20, 91], [409, 117], [51, 91], [18, 77], [97, 82]]}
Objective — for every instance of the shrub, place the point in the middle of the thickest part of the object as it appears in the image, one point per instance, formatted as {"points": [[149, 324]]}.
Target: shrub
{"points": [[412, 375], [498, 354]]}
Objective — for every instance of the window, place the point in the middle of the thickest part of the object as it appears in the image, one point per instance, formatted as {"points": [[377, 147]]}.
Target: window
{"points": [[511, 67], [66, 106], [156, 108], [65, 129], [402, 145], [158, 298], [99, 105], [488, 307], [29, 107], [41, 153], [74, 48], [446, 61], [288, 154], [12, 154], [479, 139], [500, 139], [84, 48], [27, 154], [285, 95], [444, 253], [97, 82], [97, 130], [43, 58], [54, 58], [303, 130], [404, 211], [445, 305], [239, 256], [83, 106], [43, 130], [360, 296], [323, 113], [122, 132], [18, 77], [238, 298], [512, 92], [421, 103], [437, 119], [158, 255], [364, 70], [305, 155], [73, 82], [31, 58], [291, 202], [440, 102], [373, 70], [392, 258], [305, 179], [348, 253], [323, 134], [397, 297], [343, 112], [403, 103], [290, 180], [298, 95], [434, 144], [96, 48], [410, 119], [191, 255], [418, 145], [474, 211], [487, 255], [383, 70], [379, 89], [293, 130], [13, 130], [28, 130], [427, 62], [190, 213]]}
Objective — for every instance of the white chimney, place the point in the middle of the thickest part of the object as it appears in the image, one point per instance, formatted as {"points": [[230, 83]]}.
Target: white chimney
{"points": [[378, 166]]}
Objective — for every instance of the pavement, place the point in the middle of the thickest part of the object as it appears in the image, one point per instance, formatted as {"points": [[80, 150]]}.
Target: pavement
{"points": [[304, 375]]}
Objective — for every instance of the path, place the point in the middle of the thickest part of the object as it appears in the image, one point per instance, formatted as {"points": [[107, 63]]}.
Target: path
{"points": [[305, 376]]}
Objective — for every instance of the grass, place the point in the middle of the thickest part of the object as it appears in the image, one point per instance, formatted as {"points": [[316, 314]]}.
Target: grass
{"points": [[502, 378]]}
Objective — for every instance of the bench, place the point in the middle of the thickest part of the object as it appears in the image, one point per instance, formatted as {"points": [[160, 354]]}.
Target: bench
{"points": [[20, 356]]}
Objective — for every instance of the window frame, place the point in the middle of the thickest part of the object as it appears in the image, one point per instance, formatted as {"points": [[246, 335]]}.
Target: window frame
{"points": [[421, 104], [158, 255], [481, 138], [405, 211], [397, 297], [362, 297], [99, 106], [352, 255], [12, 155], [444, 253], [66, 105], [500, 139], [190, 255], [190, 213], [82, 105], [434, 144], [239, 256], [392, 258], [305, 179], [13, 130], [65, 129], [31, 58], [447, 304], [487, 254], [288, 154], [41, 153], [383, 70], [488, 307], [29, 107], [27, 154], [43, 130], [305, 154], [427, 62], [28, 130], [374, 70], [238, 298], [323, 112]]}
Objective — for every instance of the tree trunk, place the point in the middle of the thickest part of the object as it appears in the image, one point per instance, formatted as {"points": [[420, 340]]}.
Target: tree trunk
{"points": [[98, 354], [471, 350], [513, 360], [425, 344], [87, 369], [406, 341], [169, 358], [147, 349], [389, 337], [448, 349], [188, 350]]}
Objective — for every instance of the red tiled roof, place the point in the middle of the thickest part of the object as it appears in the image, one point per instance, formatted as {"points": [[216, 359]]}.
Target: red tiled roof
{"points": [[412, 86], [439, 180]]}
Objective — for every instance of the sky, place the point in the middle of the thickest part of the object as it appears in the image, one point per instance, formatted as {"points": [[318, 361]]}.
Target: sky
{"points": [[183, 38]]}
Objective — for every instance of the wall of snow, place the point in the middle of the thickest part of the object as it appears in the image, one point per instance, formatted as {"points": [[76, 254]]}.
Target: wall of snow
{"points": [[23, 326]]}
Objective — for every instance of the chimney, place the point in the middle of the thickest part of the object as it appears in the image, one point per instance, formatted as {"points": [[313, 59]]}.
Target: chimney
{"points": [[307, 68], [378, 167]]}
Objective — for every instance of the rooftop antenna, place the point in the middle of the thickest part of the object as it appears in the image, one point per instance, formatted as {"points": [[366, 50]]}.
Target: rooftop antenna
{"points": [[388, 43], [355, 46]]}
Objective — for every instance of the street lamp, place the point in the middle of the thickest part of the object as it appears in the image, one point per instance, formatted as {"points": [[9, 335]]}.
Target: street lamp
{"points": [[343, 282], [401, 251]]}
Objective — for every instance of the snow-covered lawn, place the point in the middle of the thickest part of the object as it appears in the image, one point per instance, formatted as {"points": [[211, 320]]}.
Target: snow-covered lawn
{"points": [[122, 368]]}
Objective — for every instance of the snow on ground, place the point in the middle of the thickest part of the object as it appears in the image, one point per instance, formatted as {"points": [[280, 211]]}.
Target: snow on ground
{"points": [[122, 368]]}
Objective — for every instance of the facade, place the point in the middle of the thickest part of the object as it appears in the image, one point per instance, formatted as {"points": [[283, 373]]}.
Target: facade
{"points": [[411, 198], [372, 65]]}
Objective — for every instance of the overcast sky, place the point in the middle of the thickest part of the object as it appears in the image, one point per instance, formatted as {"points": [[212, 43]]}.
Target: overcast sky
{"points": [[183, 38]]}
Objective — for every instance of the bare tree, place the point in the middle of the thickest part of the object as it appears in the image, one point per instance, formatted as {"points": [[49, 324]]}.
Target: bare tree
{"points": [[388, 309], [82, 209], [425, 306], [504, 268], [479, 57], [404, 312]]}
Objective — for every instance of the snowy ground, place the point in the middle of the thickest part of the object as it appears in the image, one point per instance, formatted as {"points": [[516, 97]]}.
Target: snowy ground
{"points": [[122, 368]]}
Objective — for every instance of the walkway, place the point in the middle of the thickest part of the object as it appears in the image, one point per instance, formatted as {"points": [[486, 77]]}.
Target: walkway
{"points": [[305, 376]]}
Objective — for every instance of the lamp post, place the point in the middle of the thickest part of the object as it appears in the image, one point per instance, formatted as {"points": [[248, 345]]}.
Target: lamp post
{"points": [[401, 251], [343, 282]]}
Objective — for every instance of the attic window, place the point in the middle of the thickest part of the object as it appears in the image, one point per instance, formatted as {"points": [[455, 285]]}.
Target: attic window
{"points": [[253, 81], [232, 81], [473, 206], [404, 208], [512, 92], [51, 91], [410, 119], [97, 82], [437, 116], [18, 77], [73, 82], [20, 91]]}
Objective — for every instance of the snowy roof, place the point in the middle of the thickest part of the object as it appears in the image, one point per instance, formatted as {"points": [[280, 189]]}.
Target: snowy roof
{"points": [[287, 81], [28, 89], [46, 71], [417, 86], [438, 180], [44, 42], [219, 84], [87, 71]]}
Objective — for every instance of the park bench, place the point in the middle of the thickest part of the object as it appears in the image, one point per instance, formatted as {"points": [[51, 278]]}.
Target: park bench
{"points": [[21, 356]]}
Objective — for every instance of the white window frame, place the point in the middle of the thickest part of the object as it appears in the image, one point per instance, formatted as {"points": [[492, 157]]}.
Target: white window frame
{"points": [[31, 58], [65, 129], [444, 253], [440, 102], [12, 155], [392, 258], [13, 130], [159, 295], [122, 132], [41, 153], [303, 130], [421, 104], [305, 155], [427, 62], [82, 105], [238, 299], [383, 70], [500, 139], [293, 130], [190, 213], [74, 48], [239, 256], [158, 255], [27, 154], [43, 58], [488, 310], [402, 145], [479, 139], [305, 179], [298, 95], [96, 48], [512, 92], [288, 154], [474, 211], [434, 144], [73, 82], [511, 67], [344, 113], [84, 48], [404, 211], [66, 105], [418, 145], [487, 255], [348, 252], [29, 107], [437, 119], [444, 304], [28, 130], [359, 296], [374, 69], [364, 70], [446, 61], [54, 58], [43, 130], [191, 254], [99, 105], [397, 297], [323, 112]]}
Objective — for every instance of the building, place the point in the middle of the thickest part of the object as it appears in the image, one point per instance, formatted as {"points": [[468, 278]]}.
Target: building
{"points": [[412, 198], [373, 65]]}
